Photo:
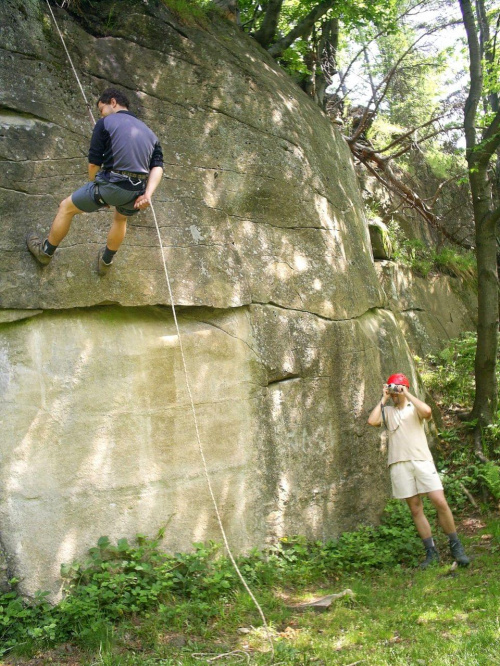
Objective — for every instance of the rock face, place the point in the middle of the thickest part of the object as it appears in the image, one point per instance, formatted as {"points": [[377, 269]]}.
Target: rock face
{"points": [[429, 310], [286, 329]]}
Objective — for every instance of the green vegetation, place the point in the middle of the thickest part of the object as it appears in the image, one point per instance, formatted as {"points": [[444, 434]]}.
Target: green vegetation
{"points": [[149, 606], [397, 615], [424, 260], [449, 376], [190, 589], [129, 604], [190, 12]]}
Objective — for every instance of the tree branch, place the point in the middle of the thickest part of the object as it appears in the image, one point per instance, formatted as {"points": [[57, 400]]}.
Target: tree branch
{"points": [[495, 215], [424, 138], [414, 129], [434, 198], [379, 34], [388, 78], [490, 141], [302, 28], [265, 34], [251, 22], [389, 179]]}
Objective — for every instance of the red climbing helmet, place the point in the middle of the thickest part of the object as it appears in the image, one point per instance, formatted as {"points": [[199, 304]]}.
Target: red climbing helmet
{"points": [[400, 379]]}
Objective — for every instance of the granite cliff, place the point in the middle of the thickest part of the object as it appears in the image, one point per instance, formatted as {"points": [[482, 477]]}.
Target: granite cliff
{"points": [[287, 327]]}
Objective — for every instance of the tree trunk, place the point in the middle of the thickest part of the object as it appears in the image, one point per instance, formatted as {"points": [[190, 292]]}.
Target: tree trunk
{"points": [[485, 219], [302, 29], [265, 34], [486, 398]]}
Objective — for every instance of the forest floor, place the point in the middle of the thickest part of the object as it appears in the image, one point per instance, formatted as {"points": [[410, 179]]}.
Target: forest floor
{"points": [[444, 616]]}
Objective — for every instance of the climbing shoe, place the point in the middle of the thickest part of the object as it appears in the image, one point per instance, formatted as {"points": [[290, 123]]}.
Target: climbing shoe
{"points": [[431, 557], [35, 246], [102, 266], [458, 554]]}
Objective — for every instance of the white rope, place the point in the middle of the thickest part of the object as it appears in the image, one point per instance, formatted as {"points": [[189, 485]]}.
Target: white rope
{"points": [[186, 375], [198, 439], [72, 66]]}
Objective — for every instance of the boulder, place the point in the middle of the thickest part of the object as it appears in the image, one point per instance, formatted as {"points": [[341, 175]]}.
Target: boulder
{"points": [[380, 240], [285, 328], [430, 311]]}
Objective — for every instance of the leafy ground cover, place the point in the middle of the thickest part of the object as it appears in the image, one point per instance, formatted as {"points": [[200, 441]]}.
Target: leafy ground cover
{"points": [[398, 615], [131, 604]]}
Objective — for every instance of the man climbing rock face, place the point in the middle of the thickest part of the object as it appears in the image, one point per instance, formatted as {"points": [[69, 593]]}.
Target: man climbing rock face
{"points": [[411, 466], [125, 168]]}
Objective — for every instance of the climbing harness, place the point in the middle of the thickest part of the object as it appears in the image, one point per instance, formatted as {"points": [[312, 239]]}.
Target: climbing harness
{"points": [[186, 376], [138, 177]]}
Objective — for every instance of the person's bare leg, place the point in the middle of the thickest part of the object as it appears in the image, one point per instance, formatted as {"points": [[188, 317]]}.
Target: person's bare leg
{"points": [[445, 517], [424, 530], [62, 221], [447, 522], [417, 513], [117, 231]]}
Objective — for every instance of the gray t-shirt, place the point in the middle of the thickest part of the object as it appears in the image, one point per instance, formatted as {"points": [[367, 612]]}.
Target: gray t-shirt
{"points": [[122, 142]]}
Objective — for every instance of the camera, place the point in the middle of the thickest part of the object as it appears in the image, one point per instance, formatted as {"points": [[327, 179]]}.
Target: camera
{"points": [[394, 388]]}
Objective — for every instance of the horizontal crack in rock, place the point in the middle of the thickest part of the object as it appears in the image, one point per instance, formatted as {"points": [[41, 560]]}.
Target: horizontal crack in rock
{"points": [[282, 380]]}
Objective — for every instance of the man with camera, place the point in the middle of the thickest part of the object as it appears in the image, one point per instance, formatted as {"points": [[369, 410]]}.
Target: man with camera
{"points": [[411, 466]]}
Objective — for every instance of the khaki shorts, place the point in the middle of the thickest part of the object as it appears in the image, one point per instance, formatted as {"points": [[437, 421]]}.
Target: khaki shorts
{"points": [[414, 477]]}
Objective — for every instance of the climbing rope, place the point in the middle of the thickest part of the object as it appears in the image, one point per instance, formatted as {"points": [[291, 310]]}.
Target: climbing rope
{"points": [[89, 108], [186, 376], [198, 439]]}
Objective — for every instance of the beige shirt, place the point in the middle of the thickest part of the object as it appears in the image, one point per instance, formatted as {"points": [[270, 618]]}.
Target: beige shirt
{"points": [[407, 440]]}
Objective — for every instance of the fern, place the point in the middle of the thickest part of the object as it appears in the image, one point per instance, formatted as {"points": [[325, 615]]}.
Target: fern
{"points": [[490, 474]]}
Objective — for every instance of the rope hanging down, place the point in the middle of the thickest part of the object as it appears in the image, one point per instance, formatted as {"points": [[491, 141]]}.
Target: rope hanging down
{"points": [[89, 108], [186, 376]]}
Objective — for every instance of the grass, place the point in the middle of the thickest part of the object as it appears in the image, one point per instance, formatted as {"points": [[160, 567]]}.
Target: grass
{"points": [[442, 616], [191, 12]]}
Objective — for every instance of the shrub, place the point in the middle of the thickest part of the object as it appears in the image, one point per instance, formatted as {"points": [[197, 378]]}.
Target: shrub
{"points": [[124, 580], [450, 373], [490, 473], [415, 254]]}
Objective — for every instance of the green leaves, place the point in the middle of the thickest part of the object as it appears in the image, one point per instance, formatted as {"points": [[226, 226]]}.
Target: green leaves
{"points": [[119, 581], [490, 474]]}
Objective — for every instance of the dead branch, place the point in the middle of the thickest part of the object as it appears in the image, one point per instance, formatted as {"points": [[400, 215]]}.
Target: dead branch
{"points": [[381, 169], [323, 603], [410, 132], [424, 138], [469, 496], [434, 198]]}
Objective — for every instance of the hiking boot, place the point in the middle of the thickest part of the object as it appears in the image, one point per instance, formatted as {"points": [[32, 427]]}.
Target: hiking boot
{"points": [[35, 246], [431, 557], [102, 266], [458, 554]]}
